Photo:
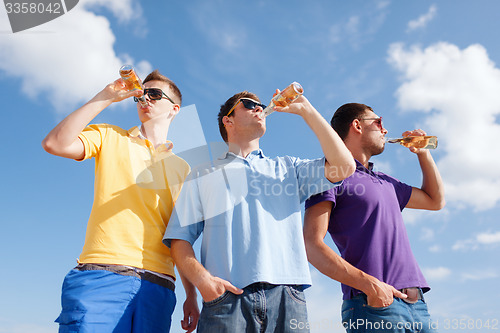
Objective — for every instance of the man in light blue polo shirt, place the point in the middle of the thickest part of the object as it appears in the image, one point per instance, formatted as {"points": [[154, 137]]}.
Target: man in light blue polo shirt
{"points": [[253, 262]]}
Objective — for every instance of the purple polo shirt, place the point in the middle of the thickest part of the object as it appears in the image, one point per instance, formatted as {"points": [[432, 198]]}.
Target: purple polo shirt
{"points": [[367, 226]]}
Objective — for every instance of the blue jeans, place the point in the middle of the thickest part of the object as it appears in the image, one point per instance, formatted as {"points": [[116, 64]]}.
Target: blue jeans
{"points": [[261, 308], [359, 317], [102, 301]]}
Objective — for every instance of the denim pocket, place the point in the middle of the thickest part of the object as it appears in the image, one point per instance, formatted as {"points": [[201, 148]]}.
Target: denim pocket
{"points": [[363, 300], [217, 300], [296, 294], [382, 308]]}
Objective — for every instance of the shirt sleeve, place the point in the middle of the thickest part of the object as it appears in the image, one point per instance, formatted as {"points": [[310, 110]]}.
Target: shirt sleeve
{"points": [[311, 177], [329, 195], [186, 221], [403, 191], [92, 139]]}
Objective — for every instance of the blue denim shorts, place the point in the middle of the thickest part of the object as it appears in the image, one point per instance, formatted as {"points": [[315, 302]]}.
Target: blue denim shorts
{"points": [[359, 317], [261, 308], [103, 301]]}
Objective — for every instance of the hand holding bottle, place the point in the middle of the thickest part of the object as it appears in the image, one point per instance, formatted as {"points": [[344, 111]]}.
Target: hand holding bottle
{"points": [[299, 106], [132, 82], [117, 91], [416, 140], [283, 98]]}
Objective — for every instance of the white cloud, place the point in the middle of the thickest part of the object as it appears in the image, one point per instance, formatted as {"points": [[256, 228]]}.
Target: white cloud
{"points": [[427, 234], [357, 29], [123, 10], [69, 59], [437, 273], [413, 217], [435, 248], [225, 32], [382, 166], [457, 90], [480, 240], [488, 238], [423, 20], [479, 275]]}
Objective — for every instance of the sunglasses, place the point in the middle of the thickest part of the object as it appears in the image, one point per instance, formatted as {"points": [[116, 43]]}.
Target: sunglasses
{"points": [[248, 104], [377, 121], [154, 94]]}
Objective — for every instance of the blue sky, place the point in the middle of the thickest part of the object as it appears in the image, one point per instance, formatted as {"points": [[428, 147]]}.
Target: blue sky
{"points": [[419, 64]]}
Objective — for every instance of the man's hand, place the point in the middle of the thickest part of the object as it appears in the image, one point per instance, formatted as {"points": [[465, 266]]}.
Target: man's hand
{"points": [[117, 92], [382, 295], [191, 314], [214, 287], [417, 132], [299, 106]]}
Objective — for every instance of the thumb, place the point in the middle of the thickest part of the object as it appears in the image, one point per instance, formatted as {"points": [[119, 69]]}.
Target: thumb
{"points": [[235, 290], [137, 93], [132, 93], [186, 324], [398, 294]]}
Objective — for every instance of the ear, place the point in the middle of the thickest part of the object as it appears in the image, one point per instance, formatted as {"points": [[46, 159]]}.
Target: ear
{"points": [[227, 121], [175, 109], [356, 126]]}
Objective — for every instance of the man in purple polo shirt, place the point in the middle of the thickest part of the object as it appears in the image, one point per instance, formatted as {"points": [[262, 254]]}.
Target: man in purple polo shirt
{"points": [[382, 284]]}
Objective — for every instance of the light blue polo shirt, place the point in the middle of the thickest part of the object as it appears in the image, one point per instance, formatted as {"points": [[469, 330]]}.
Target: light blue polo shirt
{"points": [[249, 210]]}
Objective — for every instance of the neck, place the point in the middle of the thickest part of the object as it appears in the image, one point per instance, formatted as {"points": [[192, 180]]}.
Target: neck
{"points": [[243, 148], [156, 131], [362, 158], [358, 152]]}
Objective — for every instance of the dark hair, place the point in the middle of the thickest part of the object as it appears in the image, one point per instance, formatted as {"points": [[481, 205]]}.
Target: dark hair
{"points": [[224, 109], [343, 117], [157, 76]]}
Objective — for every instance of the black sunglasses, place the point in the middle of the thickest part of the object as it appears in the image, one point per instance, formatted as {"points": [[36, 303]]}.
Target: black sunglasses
{"points": [[248, 104], [154, 94]]}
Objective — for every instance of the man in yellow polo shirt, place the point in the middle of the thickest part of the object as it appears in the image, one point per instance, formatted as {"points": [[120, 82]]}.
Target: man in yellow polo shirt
{"points": [[124, 280]]}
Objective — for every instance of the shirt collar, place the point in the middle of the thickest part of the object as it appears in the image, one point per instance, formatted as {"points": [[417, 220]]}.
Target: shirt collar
{"points": [[256, 153], [135, 132], [361, 167]]}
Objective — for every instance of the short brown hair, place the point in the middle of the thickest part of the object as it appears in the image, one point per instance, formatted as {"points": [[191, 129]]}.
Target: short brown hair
{"points": [[224, 109], [157, 76], [343, 117]]}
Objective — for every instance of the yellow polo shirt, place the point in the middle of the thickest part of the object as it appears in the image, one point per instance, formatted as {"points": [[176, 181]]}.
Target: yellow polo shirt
{"points": [[135, 189]]}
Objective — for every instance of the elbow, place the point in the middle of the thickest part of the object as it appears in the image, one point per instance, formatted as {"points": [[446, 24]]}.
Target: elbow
{"points": [[437, 204], [49, 146], [440, 204]]}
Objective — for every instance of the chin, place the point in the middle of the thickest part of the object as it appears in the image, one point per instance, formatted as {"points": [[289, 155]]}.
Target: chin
{"points": [[377, 150]]}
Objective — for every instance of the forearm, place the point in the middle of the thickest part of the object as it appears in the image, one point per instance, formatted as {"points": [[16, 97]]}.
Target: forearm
{"points": [[335, 267], [432, 184], [189, 288], [63, 139], [189, 267], [67, 131], [339, 161], [210, 286], [378, 293]]}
